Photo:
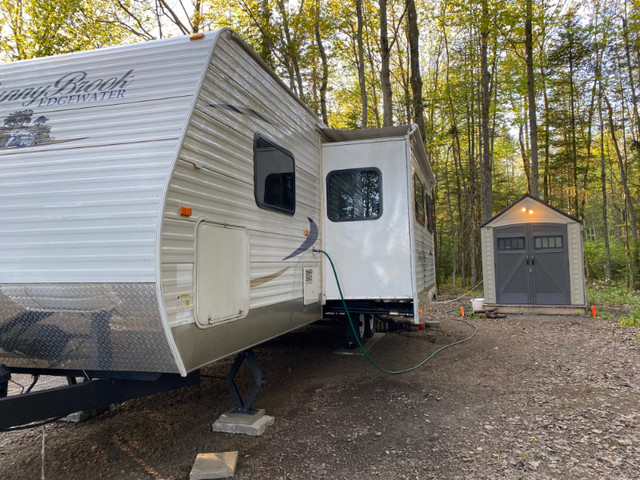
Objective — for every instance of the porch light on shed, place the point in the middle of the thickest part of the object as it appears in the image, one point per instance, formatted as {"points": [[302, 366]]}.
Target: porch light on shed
{"points": [[530, 212], [524, 209]]}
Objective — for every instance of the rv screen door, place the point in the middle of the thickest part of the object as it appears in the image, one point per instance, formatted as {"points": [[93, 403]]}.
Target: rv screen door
{"points": [[222, 273]]}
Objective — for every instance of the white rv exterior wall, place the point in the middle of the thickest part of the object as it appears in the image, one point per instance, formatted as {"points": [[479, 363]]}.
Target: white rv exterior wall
{"points": [[214, 176], [423, 246], [84, 206], [87, 144]]}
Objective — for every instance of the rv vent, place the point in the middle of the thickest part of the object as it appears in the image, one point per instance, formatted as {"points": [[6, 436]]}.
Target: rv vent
{"points": [[308, 276]]}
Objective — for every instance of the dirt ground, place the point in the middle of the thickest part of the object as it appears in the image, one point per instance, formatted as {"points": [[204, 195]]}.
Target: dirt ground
{"points": [[532, 397]]}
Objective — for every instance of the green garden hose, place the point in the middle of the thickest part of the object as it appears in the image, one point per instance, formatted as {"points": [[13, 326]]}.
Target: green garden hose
{"points": [[353, 328]]}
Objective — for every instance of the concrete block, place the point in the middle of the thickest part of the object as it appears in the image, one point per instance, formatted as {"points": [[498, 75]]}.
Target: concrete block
{"points": [[214, 465], [79, 417], [243, 423]]}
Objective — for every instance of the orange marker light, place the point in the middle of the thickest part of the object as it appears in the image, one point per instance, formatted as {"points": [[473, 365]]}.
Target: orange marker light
{"points": [[196, 36], [185, 211], [306, 233]]}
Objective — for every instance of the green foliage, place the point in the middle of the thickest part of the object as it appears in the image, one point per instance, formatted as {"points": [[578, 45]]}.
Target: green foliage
{"points": [[40, 28], [595, 259], [615, 301], [631, 321]]}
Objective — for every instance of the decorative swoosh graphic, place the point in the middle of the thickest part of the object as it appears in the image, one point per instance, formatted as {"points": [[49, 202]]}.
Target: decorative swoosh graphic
{"points": [[310, 240], [256, 282]]}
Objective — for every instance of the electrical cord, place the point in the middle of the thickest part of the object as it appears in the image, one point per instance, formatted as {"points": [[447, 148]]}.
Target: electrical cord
{"points": [[383, 370], [31, 425]]}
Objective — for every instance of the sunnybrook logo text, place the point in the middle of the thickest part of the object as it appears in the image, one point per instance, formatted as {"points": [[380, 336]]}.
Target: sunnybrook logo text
{"points": [[71, 88]]}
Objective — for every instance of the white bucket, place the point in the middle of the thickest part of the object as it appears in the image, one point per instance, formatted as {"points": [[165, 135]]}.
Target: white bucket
{"points": [[477, 304]]}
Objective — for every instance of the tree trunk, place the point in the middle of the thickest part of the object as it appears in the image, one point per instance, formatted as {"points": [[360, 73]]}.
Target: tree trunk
{"points": [[416, 78], [531, 94], [325, 68], [523, 154], [385, 72], [290, 53], [361, 72], [453, 235], [603, 186], [486, 187], [574, 142], [373, 92], [265, 51], [547, 138], [628, 199], [636, 120]]}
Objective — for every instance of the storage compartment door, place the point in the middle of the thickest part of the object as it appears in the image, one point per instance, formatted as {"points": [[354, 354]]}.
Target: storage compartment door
{"points": [[311, 288], [222, 273]]}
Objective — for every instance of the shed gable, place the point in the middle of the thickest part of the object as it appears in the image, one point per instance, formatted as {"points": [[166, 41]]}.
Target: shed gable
{"points": [[528, 209]]}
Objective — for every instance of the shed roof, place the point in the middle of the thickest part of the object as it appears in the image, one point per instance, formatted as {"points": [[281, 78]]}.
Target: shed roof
{"points": [[534, 198]]}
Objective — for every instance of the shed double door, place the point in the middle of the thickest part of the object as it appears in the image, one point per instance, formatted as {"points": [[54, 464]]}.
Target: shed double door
{"points": [[532, 264]]}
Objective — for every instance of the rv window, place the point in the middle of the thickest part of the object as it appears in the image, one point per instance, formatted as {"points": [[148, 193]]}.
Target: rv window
{"points": [[431, 215], [354, 194], [418, 199], [274, 177]]}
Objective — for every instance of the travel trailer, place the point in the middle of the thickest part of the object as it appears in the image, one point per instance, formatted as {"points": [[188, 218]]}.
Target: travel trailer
{"points": [[164, 203]]}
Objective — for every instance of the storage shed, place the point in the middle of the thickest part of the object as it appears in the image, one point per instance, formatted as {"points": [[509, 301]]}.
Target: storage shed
{"points": [[532, 257]]}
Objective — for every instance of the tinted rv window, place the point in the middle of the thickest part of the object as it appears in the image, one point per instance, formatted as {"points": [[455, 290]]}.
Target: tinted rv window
{"points": [[354, 194], [274, 177], [431, 214], [418, 199]]}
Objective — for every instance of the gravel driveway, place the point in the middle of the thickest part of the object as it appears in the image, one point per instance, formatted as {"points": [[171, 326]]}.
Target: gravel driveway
{"points": [[532, 397]]}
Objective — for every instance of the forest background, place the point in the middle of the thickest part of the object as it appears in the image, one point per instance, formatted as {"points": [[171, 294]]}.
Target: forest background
{"points": [[512, 96]]}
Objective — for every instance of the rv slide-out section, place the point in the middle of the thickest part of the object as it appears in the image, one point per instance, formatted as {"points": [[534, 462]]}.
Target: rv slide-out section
{"points": [[377, 229]]}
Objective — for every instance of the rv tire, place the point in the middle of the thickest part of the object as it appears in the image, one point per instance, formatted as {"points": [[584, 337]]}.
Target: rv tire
{"points": [[369, 326], [359, 324]]}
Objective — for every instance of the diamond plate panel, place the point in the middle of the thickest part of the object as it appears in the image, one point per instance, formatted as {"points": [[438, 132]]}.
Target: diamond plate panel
{"points": [[114, 327]]}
